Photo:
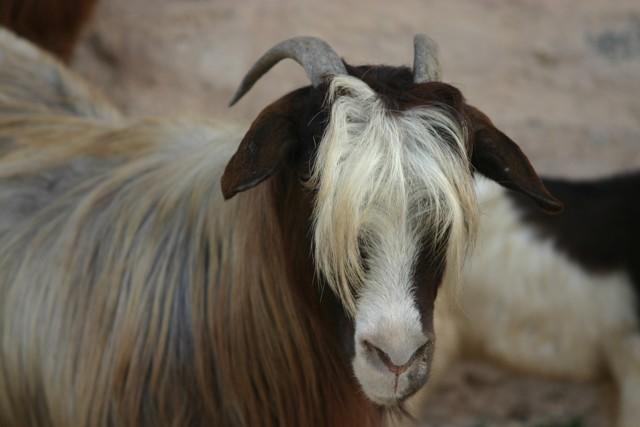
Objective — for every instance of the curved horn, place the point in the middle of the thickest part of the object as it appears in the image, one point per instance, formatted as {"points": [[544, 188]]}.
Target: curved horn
{"points": [[316, 57], [426, 66]]}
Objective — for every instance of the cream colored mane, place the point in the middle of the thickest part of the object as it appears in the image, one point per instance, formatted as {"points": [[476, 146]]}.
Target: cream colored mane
{"points": [[379, 170]]}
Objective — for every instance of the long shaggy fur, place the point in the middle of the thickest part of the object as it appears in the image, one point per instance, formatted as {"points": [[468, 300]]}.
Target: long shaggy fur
{"points": [[130, 295], [32, 82], [378, 170]]}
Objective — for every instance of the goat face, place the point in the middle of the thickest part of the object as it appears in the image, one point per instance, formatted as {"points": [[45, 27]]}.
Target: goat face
{"points": [[386, 164]]}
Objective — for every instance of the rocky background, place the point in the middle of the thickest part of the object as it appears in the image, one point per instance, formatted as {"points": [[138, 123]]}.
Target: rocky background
{"points": [[562, 78]]}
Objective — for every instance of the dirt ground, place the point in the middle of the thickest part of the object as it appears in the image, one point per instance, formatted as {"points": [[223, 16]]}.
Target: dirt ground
{"points": [[562, 78]]}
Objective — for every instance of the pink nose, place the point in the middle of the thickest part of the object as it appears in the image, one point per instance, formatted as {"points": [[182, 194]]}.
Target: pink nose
{"points": [[386, 360]]}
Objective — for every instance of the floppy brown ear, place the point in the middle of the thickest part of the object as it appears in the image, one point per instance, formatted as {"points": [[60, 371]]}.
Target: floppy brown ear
{"points": [[497, 157], [266, 145]]}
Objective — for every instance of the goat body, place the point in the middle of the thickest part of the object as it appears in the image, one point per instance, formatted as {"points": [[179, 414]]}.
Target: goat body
{"points": [[83, 192], [562, 300]]}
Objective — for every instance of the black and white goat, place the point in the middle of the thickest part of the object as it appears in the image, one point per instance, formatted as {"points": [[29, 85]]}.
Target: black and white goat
{"points": [[135, 291], [553, 295]]}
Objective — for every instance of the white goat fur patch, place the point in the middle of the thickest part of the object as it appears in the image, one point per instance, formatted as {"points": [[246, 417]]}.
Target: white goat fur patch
{"points": [[526, 303]]}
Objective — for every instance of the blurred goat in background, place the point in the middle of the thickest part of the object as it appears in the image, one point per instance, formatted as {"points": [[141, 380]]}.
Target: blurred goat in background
{"points": [[54, 25]]}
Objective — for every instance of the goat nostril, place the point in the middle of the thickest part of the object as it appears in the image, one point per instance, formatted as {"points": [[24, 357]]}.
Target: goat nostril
{"points": [[367, 345], [418, 353], [386, 360]]}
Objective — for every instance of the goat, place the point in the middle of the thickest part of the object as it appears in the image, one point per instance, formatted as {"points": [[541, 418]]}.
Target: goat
{"points": [[55, 25], [563, 301], [135, 291]]}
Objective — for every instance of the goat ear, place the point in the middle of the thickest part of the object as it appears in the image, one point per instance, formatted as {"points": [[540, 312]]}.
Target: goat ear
{"points": [[497, 157], [265, 147]]}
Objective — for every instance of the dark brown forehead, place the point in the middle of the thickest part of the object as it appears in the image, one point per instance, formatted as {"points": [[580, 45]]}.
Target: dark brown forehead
{"points": [[396, 88]]}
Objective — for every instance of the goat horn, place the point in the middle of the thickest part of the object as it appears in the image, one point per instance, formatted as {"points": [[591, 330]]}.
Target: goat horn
{"points": [[317, 58], [426, 66]]}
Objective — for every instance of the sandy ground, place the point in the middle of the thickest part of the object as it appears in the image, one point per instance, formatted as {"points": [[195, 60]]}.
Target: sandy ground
{"points": [[562, 78]]}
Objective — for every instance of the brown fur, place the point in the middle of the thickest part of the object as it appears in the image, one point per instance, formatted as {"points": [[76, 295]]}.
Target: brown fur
{"points": [[130, 294], [55, 25]]}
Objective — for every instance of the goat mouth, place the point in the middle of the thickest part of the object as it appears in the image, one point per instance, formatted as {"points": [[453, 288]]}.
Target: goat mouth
{"points": [[387, 403], [392, 402]]}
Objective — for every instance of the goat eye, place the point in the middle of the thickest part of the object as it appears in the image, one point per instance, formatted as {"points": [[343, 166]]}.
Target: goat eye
{"points": [[304, 176], [364, 254]]}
